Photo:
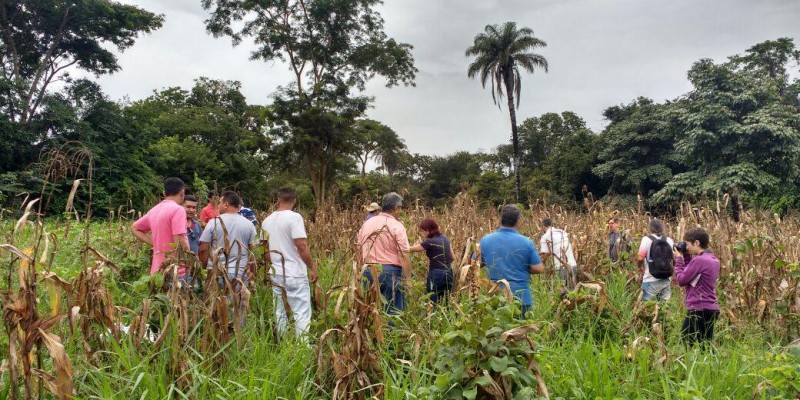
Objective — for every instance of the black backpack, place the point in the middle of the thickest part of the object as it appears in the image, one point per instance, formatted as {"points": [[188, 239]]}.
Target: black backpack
{"points": [[660, 260]]}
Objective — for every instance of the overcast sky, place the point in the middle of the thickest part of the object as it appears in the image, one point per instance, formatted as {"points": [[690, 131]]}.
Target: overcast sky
{"points": [[601, 53]]}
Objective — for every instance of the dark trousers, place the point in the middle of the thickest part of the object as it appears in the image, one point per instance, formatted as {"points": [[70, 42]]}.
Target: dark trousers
{"points": [[698, 326], [439, 283], [391, 286]]}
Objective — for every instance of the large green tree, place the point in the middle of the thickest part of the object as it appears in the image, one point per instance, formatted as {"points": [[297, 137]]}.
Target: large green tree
{"points": [[500, 51], [639, 154], [40, 41], [739, 135], [332, 47]]}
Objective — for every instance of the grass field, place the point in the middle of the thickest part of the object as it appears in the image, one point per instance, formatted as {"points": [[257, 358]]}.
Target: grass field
{"points": [[354, 351]]}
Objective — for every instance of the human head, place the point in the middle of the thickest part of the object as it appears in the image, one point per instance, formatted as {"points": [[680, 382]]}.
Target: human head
{"points": [[391, 203], [547, 223], [229, 202], [174, 187], [373, 208], [190, 204], [509, 216], [212, 197], [430, 227], [696, 240], [287, 196], [656, 227], [613, 224]]}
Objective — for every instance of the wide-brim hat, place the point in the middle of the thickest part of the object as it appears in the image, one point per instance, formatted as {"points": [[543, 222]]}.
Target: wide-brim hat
{"points": [[373, 207]]}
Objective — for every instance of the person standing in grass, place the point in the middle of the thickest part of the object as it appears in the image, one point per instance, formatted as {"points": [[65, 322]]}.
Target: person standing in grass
{"points": [[556, 242], [240, 234], [383, 240], [210, 210], [655, 263], [293, 268], [699, 277], [164, 226], [440, 256], [614, 239], [193, 228], [509, 255]]}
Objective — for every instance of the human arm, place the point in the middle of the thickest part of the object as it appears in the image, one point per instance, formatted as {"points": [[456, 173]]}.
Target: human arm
{"points": [[685, 273], [141, 230], [544, 252], [536, 265], [305, 255], [644, 246], [205, 251], [417, 248], [142, 236]]}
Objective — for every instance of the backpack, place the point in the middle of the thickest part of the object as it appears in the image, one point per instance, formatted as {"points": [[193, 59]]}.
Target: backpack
{"points": [[659, 258]]}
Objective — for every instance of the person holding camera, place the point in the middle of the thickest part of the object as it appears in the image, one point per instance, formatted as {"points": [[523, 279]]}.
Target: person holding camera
{"points": [[699, 277]]}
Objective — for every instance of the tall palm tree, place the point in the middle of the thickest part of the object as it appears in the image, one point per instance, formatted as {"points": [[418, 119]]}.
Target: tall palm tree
{"points": [[499, 52]]}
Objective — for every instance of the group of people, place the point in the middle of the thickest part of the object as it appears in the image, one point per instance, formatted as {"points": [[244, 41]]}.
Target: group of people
{"points": [[509, 255], [225, 233]]}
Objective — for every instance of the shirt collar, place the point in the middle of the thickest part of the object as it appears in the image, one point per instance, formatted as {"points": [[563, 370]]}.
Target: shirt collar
{"points": [[507, 229], [387, 215]]}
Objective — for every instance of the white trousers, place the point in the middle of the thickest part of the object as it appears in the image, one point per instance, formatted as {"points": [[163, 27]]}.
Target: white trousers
{"points": [[298, 294]]}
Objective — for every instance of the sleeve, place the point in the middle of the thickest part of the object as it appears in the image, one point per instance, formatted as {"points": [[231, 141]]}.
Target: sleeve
{"points": [[264, 233], [402, 238], [208, 233], [534, 255], [543, 245], [644, 246], [178, 222], [298, 227], [204, 217], [426, 244], [253, 235], [142, 224], [686, 273]]}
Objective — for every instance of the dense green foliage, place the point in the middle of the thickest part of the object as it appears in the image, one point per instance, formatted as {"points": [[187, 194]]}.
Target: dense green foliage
{"points": [[736, 133]]}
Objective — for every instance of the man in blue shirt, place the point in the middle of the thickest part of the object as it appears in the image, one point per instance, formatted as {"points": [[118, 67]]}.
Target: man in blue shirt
{"points": [[511, 256]]}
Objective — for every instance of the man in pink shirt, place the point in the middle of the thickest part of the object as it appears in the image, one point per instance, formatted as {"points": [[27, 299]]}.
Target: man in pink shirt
{"points": [[164, 226], [383, 240]]}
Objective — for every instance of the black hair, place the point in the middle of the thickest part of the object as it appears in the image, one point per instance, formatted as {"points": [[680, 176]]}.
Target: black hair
{"points": [[547, 222], [509, 216], [189, 197], [231, 198], [698, 234], [287, 194], [173, 186]]}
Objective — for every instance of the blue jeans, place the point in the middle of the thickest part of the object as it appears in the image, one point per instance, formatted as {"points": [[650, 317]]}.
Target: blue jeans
{"points": [[562, 272], [659, 290], [439, 283], [391, 286]]}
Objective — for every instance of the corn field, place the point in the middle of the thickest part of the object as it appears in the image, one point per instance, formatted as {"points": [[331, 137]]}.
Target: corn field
{"points": [[82, 319]]}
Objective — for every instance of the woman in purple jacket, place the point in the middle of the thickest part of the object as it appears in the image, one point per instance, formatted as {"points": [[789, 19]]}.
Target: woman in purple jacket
{"points": [[699, 278]]}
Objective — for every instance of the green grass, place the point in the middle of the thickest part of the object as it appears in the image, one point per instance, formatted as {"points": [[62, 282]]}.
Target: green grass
{"points": [[583, 360]]}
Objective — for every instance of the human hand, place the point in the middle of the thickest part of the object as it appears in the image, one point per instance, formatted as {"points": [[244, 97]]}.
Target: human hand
{"points": [[312, 275], [676, 253]]}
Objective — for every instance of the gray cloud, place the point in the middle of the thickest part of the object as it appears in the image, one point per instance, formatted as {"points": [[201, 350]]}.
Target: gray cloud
{"points": [[601, 53]]}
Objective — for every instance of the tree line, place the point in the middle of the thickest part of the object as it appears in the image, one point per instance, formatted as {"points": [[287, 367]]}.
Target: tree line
{"points": [[735, 134]]}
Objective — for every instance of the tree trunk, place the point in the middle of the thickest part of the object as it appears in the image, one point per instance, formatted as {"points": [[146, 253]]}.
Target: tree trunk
{"points": [[514, 135]]}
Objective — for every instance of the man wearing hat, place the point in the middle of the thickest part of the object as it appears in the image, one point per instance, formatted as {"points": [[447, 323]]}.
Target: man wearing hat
{"points": [[372, 210]]}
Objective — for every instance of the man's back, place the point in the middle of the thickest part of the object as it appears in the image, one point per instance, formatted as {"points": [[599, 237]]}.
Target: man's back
{"points": [[382, 239], [164, 221], [509, 255], [556, 242], [282, 228], [240, 234]]}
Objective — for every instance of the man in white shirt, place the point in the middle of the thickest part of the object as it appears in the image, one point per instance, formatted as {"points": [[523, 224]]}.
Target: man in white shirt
{"points": [[555, 242], [292, 266], [652, 287]]}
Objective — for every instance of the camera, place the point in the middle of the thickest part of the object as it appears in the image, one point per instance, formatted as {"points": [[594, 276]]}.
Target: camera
{"points": [[681, 247]]}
